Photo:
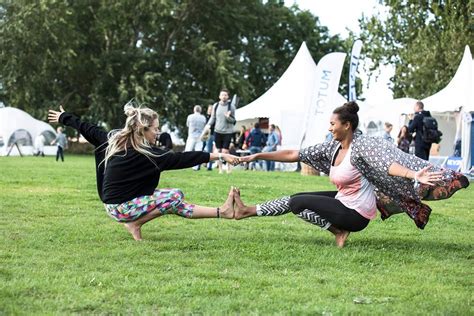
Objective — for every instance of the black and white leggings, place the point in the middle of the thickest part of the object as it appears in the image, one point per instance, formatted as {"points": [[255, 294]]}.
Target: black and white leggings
{"points": [[318, 208]]}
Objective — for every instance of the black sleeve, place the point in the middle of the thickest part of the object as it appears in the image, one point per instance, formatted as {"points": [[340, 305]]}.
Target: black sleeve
{"points": [[171, 160], [94, 134], [415, 123]]}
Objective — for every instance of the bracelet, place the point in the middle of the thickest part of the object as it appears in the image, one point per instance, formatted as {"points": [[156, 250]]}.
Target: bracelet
{"points": [[406, 173], [416, 180], [220, 158]]}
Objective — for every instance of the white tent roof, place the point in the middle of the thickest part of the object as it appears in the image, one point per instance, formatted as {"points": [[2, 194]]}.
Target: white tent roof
{"points": [[13, 119], [442, 105], [290, 90], [287, 101], [456, 93]]}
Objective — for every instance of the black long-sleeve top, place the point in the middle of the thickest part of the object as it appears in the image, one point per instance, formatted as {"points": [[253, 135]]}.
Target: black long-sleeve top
{"points": [[416, 126], [129, 174]]}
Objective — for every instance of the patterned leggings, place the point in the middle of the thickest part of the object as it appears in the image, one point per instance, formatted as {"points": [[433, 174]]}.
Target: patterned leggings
{"points": [[164, 200], [318, 208]]}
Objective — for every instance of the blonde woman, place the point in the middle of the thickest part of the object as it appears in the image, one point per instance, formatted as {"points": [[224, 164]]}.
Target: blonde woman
{"points": [[128, 169]]}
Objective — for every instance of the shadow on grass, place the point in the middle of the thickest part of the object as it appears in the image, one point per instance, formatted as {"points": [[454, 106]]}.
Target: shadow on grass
{"points": [[293, 241]]}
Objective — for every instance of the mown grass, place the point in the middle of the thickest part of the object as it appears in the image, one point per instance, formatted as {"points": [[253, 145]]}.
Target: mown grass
{"points": [[61, 254]]}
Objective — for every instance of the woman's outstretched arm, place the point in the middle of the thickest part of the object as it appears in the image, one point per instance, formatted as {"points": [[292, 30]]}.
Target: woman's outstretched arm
{"points": [[280, 155], [422, 175], [94, 134]]}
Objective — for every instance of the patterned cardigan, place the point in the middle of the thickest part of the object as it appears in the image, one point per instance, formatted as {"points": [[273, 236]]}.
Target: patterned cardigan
{"points": [[373, 157]]}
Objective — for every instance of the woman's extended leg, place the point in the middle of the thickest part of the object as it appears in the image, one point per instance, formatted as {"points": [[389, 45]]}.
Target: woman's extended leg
{"points": [[141, 210], [270, 208], [318, 208], [226, 210]]}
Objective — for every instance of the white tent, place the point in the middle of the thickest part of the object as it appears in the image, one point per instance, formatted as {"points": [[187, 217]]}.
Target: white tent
{"points": [[287, 102], [446, 106], [20, 127]]}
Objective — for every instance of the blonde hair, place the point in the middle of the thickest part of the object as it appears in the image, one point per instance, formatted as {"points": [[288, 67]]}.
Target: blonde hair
{"points": [[139, 120]]}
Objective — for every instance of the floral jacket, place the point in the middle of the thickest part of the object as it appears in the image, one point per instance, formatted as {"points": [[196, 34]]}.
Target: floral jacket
{"points": [[373, 157]]}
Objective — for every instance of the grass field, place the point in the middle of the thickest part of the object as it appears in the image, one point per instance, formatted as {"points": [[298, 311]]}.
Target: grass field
{"points": [[61, 253]]}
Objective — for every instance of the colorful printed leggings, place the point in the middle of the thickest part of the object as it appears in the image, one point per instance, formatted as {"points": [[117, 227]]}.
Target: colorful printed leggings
{"points": [[164, 200]]}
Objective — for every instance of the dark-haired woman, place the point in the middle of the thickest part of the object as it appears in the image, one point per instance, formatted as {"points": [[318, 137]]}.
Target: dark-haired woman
{"points": [[404, 139], [357, 165]]}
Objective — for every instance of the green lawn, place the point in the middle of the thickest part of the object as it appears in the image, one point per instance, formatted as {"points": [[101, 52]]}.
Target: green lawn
{"points": [[61, 253]]}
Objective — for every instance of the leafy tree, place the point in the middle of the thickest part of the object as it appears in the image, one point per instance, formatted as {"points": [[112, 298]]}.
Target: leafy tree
{"points": [[425, 41], [95, 55]]}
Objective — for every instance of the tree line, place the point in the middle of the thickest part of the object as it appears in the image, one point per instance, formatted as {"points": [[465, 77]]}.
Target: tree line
{"points": [[95, 55]]}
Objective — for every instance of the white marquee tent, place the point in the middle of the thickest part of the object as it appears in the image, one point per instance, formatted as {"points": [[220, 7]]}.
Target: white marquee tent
{"points": [[20, 127], [448, 106], [287, 102]]}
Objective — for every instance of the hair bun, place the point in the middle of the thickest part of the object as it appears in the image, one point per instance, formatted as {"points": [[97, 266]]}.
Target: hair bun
{"points": [[129, 109], [352, 107]]}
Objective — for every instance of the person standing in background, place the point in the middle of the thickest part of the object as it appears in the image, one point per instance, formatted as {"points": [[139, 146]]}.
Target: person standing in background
{"points": [[61, 141], [195, 123], [39, 145], [387, 130], [415, 125], [271, 145], [208, 137], [223, 119], [255, 142], [404, 139]]}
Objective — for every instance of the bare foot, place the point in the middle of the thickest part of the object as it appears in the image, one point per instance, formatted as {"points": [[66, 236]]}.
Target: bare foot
{"points": [[134, 229], [227, 209], [241, 211], [341, 237]]}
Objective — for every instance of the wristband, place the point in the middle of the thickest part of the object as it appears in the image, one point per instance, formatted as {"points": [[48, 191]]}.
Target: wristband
{"points": [[416, 180], [220, 158]]}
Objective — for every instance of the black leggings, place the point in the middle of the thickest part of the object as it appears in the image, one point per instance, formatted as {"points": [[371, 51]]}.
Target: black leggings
{"points": [[327, 207]]}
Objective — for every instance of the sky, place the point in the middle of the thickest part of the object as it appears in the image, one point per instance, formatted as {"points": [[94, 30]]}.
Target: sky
{"points": [[340, 15]]}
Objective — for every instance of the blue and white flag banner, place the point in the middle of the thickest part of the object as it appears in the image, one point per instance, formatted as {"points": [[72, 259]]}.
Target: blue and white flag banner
{"points": [[325, 98], [355, 54]]}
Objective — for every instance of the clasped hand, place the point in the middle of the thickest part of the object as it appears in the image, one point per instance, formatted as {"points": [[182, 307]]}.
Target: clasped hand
{"points": [[235, 160]]}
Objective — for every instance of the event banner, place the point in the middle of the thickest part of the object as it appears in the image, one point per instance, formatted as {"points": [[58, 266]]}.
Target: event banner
{"points": [[356, 48], [325, 98]]}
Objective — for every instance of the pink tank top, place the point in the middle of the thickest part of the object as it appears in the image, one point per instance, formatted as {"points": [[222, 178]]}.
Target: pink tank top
{"points": [[354, 191]]}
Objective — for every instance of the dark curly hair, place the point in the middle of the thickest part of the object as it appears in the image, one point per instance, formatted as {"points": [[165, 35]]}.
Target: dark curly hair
{"points": [[348, 113]]}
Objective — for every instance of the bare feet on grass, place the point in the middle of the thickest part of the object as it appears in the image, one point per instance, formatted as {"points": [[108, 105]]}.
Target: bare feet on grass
{"points": [[341, 236], [241, 211], [227, 209], [135, 229]]}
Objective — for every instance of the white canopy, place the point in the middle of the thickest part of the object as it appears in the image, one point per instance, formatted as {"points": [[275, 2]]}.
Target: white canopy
{"points": [[287, 102], [17, 125], [447, 106]]}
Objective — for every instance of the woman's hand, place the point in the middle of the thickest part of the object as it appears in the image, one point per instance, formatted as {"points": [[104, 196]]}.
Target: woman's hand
{"points": [[53, 116], [248, 158], [234, 160], [426, 177]]}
